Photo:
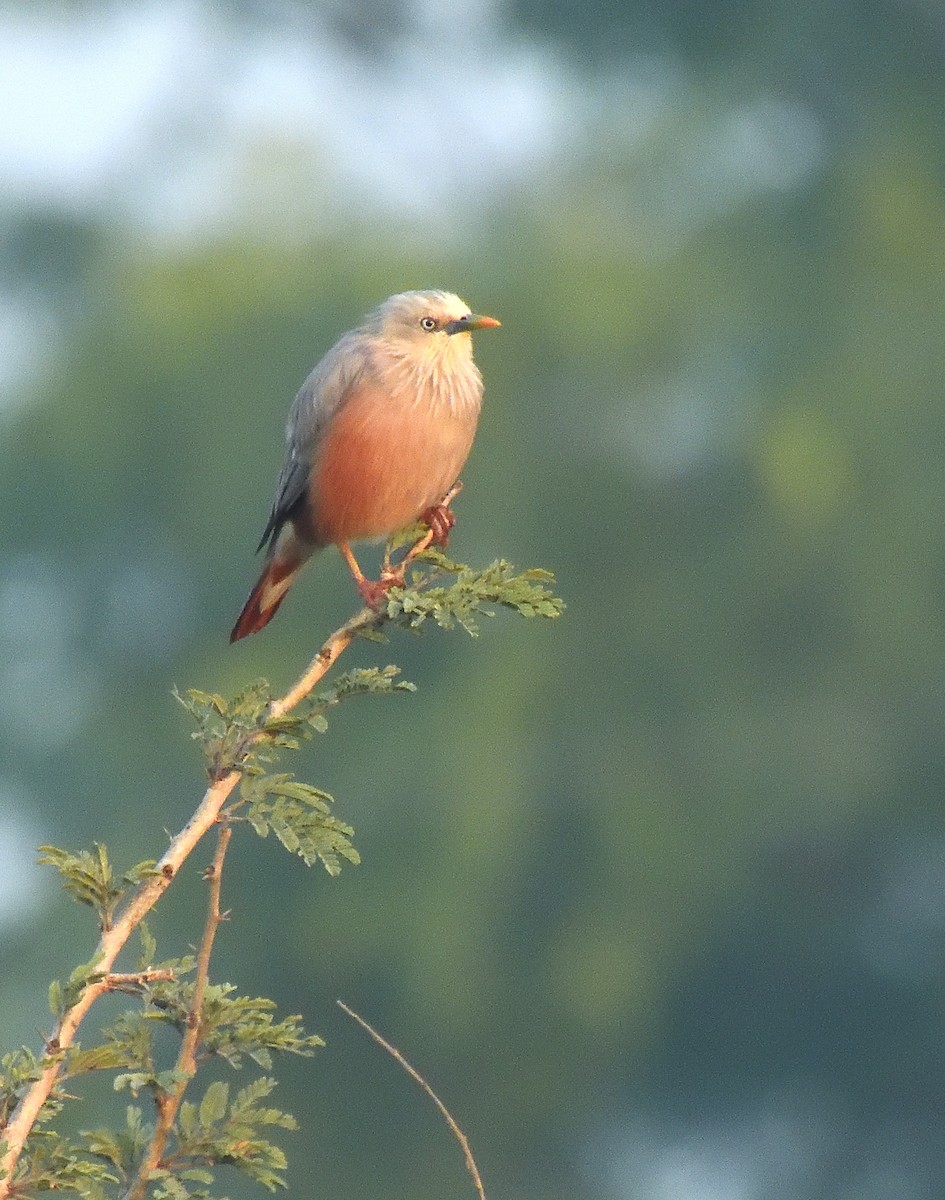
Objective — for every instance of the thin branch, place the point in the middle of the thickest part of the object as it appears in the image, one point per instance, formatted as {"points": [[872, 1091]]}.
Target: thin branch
{"points": [[133, 981], [325, 659], [215, 916], [415, 1075], [168, 1103], [143, 899]]}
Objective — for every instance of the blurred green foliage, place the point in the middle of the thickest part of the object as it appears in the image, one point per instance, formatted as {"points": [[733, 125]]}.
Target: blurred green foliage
{"points": [[673, 861]]}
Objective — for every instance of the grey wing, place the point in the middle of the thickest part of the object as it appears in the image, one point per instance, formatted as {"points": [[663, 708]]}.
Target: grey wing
{"points": [[290, 491], [314, 403]]}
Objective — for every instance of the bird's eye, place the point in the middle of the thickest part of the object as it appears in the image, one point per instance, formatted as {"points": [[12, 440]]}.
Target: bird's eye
{"points": [[428, 324]]}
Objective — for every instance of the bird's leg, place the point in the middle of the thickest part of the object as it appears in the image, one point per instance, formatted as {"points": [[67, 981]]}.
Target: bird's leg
{"points": [[439, 519], [373, 591]]}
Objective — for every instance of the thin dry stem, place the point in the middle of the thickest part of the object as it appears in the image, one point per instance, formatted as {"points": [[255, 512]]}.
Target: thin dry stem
{"points": [[143, 899], [415, 1075], [168, 1103]]}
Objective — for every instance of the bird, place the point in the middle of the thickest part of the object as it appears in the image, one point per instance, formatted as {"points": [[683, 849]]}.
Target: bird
{"points": [[375, 440]]}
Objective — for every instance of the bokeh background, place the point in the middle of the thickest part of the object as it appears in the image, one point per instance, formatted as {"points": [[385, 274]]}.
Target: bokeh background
{"points": [[655, 894]]}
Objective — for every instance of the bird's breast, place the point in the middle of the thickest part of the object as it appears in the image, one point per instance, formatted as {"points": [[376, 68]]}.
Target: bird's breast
{"points": [[388, 453]]}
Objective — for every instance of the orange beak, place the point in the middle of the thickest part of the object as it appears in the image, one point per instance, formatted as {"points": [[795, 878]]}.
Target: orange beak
{"points": [[470, 322]]}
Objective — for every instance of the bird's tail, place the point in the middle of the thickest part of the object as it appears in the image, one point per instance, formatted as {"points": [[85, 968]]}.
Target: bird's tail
{"points": [[284, 563]]}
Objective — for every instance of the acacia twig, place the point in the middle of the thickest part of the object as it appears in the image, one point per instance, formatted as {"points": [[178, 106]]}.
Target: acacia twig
{"points": [[415, 1075], [325, 659], [143, 899]]}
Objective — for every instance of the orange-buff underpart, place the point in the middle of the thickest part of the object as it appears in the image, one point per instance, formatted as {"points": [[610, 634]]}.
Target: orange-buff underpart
{"points": [[385, 459]]}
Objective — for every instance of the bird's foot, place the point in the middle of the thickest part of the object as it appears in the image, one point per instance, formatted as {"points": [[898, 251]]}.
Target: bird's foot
{"points": [[374, 591], [439, 519]]}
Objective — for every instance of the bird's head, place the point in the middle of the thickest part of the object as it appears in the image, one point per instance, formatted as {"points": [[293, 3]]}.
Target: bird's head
{"points": [[428, 321]]}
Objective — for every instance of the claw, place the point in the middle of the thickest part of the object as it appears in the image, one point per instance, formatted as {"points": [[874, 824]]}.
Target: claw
{"points": [[374, 591], [440, 520]]}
